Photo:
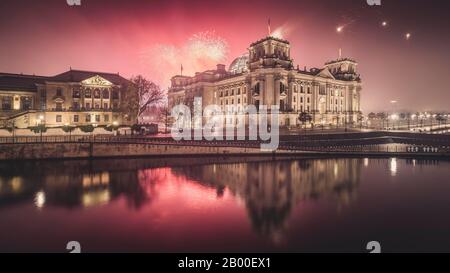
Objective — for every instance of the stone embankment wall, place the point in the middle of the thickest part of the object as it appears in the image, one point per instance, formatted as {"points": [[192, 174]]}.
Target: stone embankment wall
{"points": [[99, 150]]}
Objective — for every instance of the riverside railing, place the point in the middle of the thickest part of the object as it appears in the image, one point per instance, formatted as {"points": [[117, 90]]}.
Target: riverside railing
{"points": [[380, 145]]}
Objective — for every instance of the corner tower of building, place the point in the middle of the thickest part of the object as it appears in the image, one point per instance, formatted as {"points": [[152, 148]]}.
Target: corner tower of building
{"points": [[270, 52]]}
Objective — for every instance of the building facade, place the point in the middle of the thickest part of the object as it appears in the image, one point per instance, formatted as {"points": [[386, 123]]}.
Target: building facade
{"points": [[71, 98], [266, 76]]}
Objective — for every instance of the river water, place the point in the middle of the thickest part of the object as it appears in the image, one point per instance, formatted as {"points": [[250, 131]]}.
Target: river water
{"points": [[225, 205]]}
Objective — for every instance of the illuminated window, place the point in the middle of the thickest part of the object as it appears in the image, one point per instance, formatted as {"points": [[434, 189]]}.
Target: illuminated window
{"points": [[58, 118], [87, 93], [76, 93]]}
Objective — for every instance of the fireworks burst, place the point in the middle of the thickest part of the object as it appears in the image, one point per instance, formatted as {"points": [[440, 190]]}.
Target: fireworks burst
{"points": [[207, 45], [201, 51]]}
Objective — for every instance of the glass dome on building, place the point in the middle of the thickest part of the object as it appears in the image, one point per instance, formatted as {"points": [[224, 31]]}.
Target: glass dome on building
{"points": [[239, 65]]}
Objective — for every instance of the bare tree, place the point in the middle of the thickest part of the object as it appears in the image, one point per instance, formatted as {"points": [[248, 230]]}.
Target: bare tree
{"points": [[165, 116], [148, 93]]}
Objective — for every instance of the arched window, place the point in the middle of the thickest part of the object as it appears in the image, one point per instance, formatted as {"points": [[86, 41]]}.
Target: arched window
{"points": [[96, 93], [105, 94], [87, 93]]}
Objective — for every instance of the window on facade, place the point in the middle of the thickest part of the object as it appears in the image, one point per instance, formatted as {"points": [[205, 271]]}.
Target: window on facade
{"points": [[88, 105], [322, 90], [282, 105], [232, 92], [6, 103], [43, 99], [96, 106], [87, 93], [221, 93], [115, 94], [76, 118], [76, 105], [105, 94], [76, 93], [97, 93], [309, 90], [301, 89], [25, 103], [245, 90], [97, 118], [115, 105], [226, 93], [307, 108], [295, 99], [88, 118], [245, 100], [301, 99], [106, 118], [58, 91], [282, 87], [239, 100], [257, 88], [307, 100], [58, 118], [105, 105], [239, 91], [58, 106]]}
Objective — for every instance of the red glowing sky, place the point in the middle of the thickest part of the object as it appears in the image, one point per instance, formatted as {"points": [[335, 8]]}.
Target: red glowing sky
{"points": [[48, 37]]}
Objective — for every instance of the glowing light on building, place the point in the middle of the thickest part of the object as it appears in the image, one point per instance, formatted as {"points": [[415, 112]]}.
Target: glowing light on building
{"points": [[339, 28], [239, 65], [408, 36], [39, 199], [394, 117]]}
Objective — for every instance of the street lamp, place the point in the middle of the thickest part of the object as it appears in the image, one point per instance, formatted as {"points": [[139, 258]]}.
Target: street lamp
{"points": [[394, 117], [115, 126]]}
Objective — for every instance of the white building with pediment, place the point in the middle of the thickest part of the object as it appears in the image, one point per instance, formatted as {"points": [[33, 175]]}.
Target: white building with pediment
{"points": [[74, 98], [266, 76]]}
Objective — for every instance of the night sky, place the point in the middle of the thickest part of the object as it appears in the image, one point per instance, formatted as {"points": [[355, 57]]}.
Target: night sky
{"points": [[154, 38]]}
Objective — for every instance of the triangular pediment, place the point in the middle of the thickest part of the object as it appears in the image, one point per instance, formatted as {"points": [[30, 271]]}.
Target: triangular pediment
{"points": [[96, 80], [325, 73]]}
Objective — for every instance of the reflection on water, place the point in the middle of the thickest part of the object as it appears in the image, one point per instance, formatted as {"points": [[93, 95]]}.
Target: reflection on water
{"points": [[271, 189], [275, 196]]}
